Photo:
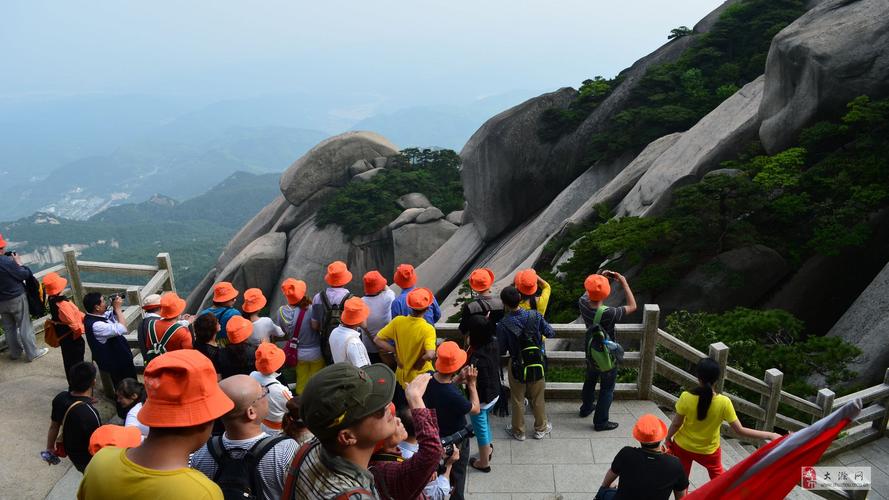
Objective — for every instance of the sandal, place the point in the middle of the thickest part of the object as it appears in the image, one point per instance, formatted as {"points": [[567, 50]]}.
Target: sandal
{"points": [[480, 469], [491, 456]]}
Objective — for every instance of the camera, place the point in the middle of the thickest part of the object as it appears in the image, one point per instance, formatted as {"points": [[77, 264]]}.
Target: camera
{"points": [[449, 443], [122, 295], [10, 254]]}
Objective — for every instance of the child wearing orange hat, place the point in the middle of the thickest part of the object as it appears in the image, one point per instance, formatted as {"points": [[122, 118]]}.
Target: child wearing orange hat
{"points": [[330, 301], [183, 401], [67, 320], [238, 357], [529, 284], [413, 338], [378, 297], [264, 329], [167, 333], [270, 359], [303, 348], [224, 295], [484, 304], [594, 312], [345, 339], [406, 279]]}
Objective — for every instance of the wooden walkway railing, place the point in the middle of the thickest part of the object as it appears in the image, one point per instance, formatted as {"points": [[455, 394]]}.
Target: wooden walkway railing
{"points": [[765, 411]]}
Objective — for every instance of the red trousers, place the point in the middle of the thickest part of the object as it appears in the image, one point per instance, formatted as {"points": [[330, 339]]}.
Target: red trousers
{"points": [[711, 462]]}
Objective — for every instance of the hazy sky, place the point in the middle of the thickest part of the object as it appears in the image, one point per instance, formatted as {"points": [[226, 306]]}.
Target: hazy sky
{"points": [[404, 51]]}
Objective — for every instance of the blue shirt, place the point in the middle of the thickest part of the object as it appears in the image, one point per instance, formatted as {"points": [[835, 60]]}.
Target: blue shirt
{"points": [[400, 308], [223, 314], [509, 328], [11, 277], [450, 406]]}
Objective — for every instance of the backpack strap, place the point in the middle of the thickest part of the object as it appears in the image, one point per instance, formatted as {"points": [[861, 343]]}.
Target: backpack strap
{"points": [[343, 302], [347, 495], [61, 437], [293, 471], [152, 332], [217, 452], [599, 312], [325, 301]]}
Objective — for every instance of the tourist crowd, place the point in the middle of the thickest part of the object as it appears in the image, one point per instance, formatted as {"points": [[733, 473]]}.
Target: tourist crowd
{"points": [[338, 396]]}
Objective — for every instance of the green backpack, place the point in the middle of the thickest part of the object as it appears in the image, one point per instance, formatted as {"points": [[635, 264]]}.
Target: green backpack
{"points": [[531, 363], [597, 353]]}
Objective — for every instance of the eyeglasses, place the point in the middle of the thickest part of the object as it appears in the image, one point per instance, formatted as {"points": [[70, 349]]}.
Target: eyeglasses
{"points": [[265, 392]]}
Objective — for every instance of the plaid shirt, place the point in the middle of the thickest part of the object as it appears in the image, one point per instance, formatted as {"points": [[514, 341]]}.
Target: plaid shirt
{"points": [[406, 479], [509, 328]]}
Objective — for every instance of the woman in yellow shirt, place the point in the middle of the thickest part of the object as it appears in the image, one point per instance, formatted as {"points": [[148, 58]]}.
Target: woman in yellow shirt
{"points": [[694, 432]]}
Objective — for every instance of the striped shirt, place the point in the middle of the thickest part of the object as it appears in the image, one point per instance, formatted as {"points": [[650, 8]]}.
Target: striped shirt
{"points": [[272, 467], [323, 476]]}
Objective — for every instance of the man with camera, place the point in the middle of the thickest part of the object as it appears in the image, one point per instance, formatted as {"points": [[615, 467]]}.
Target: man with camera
{"points": [[105, 332], [14, 315], [599, 320], [451, 406]]}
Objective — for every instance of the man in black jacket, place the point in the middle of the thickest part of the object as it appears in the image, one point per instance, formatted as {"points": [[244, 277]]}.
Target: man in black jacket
{"points": [[14, 315]]}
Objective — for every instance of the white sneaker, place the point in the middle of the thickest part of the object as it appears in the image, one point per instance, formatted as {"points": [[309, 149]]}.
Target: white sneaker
{"points": [[542, 434], [518, 436], [40, 353]]}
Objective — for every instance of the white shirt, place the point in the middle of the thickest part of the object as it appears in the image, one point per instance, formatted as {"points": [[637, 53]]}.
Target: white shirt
{"points": [[380, 306], [263, 330], [278, 396], [345, 345], [104, 330], [133, 420]]}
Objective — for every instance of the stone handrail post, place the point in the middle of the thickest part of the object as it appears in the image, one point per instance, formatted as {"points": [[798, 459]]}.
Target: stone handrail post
{"points": [[164, 262], [650, 317], [719, 352], [74, 276], [825, 401], [774, 378], [881, 423]]}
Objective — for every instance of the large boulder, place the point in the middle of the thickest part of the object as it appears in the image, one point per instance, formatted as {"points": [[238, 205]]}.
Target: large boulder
{"points": [[414, 243], [715, 138], [409, 215], [429, 215], [328, 164], [738, 277], [257, 266], [413, 200], [866, 325], [830, 55], [442, 270]]}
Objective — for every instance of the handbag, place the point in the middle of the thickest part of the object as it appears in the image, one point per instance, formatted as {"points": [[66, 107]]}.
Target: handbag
{"points": [[291, 349], [59, 448]]}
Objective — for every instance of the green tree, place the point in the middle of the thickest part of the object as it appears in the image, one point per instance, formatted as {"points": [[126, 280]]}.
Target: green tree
{"points": [[679, 32]]}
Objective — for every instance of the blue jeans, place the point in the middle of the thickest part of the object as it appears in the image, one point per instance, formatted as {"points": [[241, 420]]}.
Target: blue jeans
{"points": [[606, 394]]}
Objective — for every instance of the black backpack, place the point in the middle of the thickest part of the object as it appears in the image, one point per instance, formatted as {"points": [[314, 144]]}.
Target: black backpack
{"points": [[238, 478], [332, 314], [530, 364], [36, 296]]}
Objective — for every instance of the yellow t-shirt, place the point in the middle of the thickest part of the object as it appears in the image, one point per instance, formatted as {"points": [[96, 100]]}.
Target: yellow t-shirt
{"points": [[542, 301], [412, 337], [702, 436], [110, 474]]}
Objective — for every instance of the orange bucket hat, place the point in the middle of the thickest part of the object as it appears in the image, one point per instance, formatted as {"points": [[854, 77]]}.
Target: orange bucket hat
{"points": [[151, 302], [354, 312], [238, 329], [294, 290], [182, 391], [171, 305], [419, 298], [526, 281], [224, 292], [405, 277], [649, 429], [2, 241], [481, 279], [338, 274], [374, 283], [114, 435], [449, 357], [254, 300], [597, 287], [54, 284], [269, 358]]}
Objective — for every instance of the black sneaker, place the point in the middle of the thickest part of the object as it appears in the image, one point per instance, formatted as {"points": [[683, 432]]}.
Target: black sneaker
{"points": [[585, 414], [607, 426]]}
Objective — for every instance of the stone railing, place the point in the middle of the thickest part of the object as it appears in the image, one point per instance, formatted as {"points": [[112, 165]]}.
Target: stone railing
{"points": [[870, 424]]}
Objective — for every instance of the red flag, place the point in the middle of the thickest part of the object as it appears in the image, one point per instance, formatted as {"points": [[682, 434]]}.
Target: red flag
{"points": [[773, 470]]}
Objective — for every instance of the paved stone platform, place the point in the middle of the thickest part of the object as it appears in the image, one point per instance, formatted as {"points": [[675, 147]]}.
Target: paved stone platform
{"points": [[874, 455]]}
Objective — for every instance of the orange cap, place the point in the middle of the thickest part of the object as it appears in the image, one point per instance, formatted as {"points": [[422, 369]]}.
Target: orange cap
{"points": [[419, 298], [2, 241], [114, 435], [238, 329], [224, 292], [449, 357], [374, 283], [597, 287], [338, 274], [254, 300], [649, 429], [182, 391], [54, 284], [481, 279], [354, 312], [294, 290], [526, 281], [405, 277], [269, 358], [171, 305]]}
